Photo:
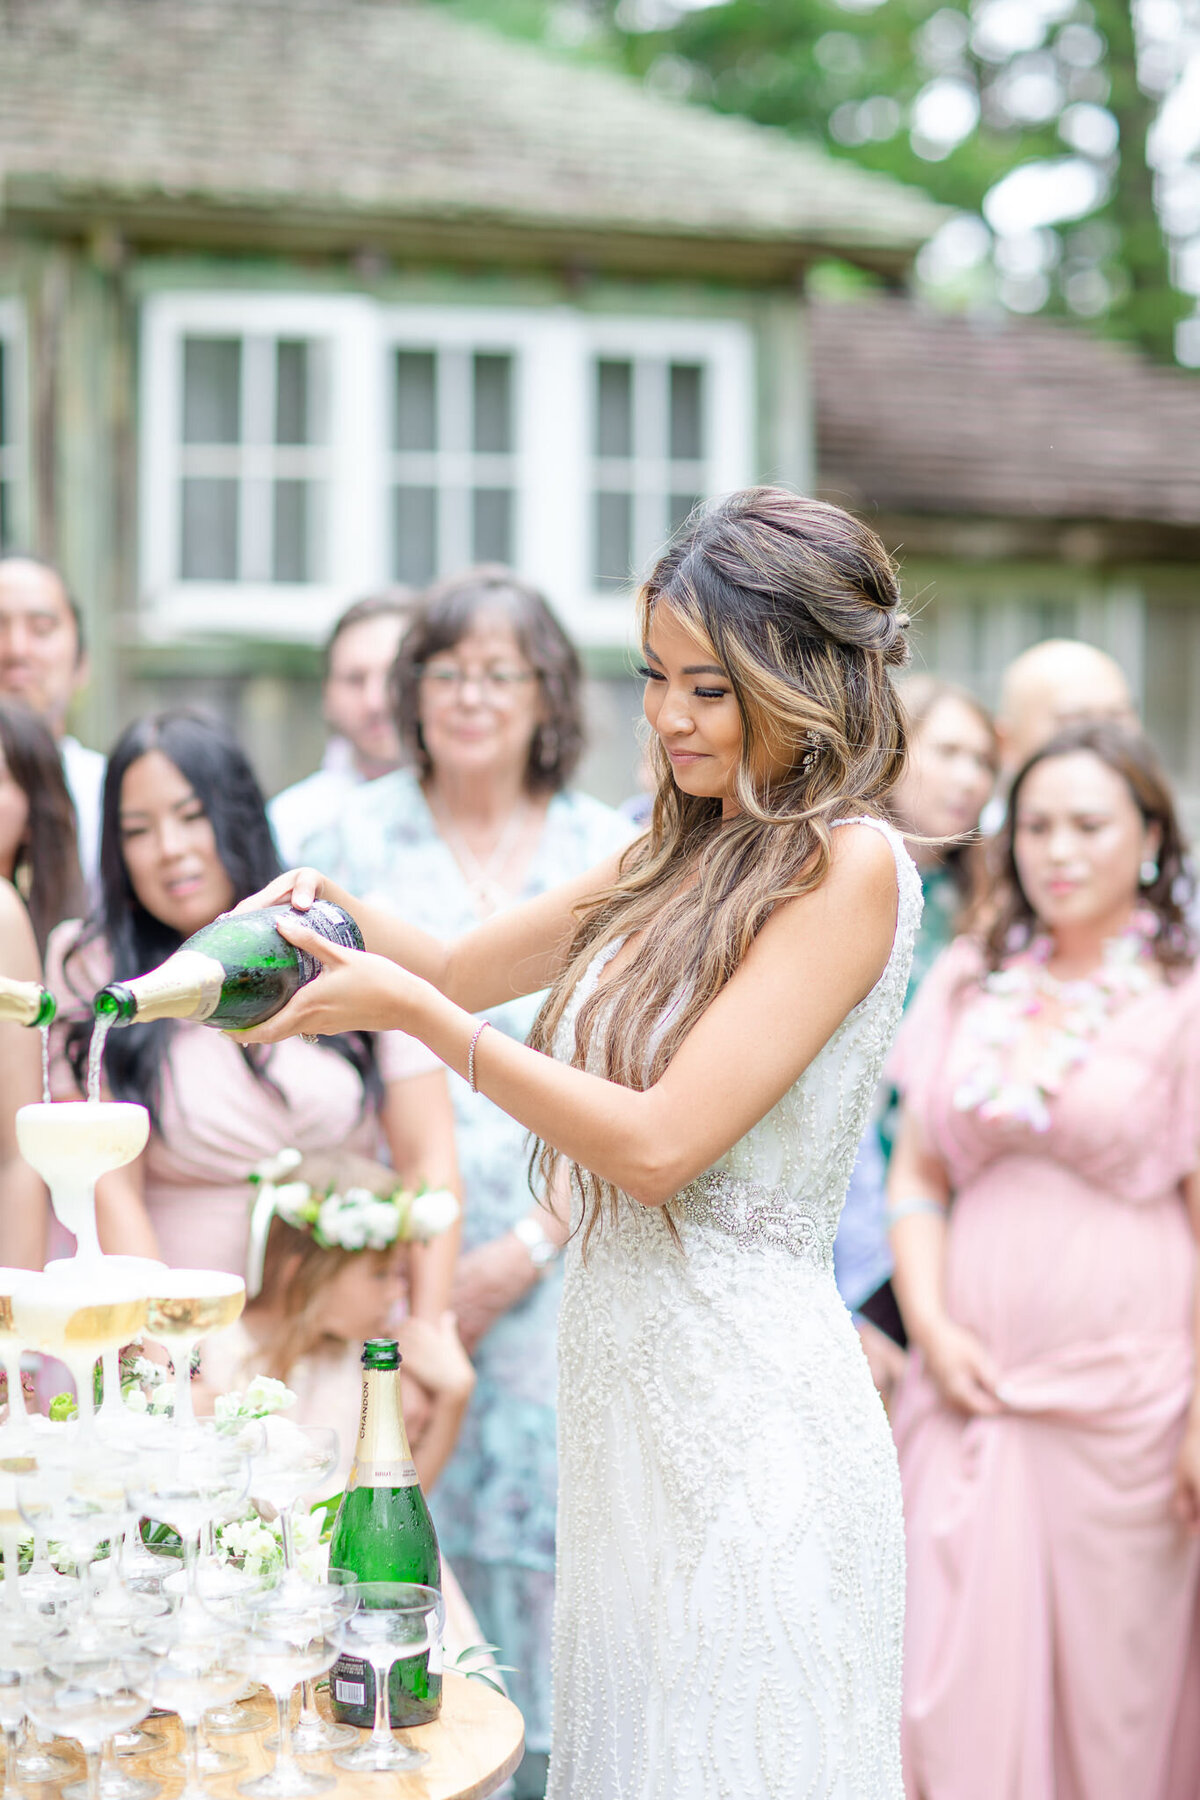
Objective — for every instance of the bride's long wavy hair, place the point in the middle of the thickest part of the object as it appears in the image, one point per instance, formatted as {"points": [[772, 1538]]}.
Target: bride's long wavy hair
{"points": [[800, 605]]}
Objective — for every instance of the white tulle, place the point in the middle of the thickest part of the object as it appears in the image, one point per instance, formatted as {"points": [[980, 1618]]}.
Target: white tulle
{"points": [[730, 1543]]}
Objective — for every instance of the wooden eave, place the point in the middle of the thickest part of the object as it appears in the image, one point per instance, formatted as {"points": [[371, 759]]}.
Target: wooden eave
{"points": [[48, 205]]}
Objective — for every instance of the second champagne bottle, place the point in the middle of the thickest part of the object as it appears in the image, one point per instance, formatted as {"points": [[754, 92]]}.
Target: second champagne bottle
{"points": [[383, 1532], [233, 974]]}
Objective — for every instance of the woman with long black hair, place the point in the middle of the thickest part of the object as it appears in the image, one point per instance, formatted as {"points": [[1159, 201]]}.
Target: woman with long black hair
{"points": [[185, 837]]}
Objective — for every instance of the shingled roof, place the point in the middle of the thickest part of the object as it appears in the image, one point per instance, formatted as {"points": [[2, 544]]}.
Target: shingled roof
{"points": [[388, 122], [921, 412]]}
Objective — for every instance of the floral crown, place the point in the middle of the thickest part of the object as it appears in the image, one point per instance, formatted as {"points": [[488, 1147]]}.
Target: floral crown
{"points": [[341, 1214]]}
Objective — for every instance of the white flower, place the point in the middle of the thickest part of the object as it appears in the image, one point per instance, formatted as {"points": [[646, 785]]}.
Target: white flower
{"points": [[381, 1222], [341, 1224], [359, 1196], [263, 1396], [136, 1400], [266, 1395], [291, 1200], [276, 1167], [431, 1214]]}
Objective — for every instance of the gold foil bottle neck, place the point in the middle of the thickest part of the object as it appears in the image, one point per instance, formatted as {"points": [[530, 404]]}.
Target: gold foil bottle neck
{"points": [[383, 1458], [187, 986]]}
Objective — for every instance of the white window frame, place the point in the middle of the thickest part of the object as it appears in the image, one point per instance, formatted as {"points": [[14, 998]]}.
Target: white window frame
{"points": [[172, 607], [551, 464], [14, 454]]}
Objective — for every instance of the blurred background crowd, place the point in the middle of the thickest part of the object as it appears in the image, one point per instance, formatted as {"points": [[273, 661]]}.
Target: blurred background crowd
{"points": [[354, 358], [1018, 1244]]}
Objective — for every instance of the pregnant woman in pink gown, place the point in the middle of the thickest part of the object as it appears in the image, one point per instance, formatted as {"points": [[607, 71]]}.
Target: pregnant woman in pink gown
{"points": [[1044, 1199]]}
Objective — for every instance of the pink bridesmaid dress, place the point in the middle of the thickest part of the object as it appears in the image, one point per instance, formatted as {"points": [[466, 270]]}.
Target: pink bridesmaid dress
{"points": [[1051, 1593]]}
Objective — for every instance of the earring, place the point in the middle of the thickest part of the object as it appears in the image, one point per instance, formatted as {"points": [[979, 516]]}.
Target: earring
{"points": [[1148, 873]]}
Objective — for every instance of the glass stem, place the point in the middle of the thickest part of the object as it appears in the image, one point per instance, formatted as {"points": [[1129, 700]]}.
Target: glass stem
{"points": [[92, 1757], [309, 1715], [191, 1563], [381, 1731], [284, 1756], [191, 1732], [289, 1541], [12, 1567], [10, 1765]]}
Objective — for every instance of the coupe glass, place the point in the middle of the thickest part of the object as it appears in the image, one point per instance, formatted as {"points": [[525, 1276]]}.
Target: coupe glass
{"points": [[186, 1306], [313, 1735], [90, 1699], [294, 1635], [74, 1491], [198, 1476], [201, 1659], [394, 1620], [299, 1460], [20, 1657]]}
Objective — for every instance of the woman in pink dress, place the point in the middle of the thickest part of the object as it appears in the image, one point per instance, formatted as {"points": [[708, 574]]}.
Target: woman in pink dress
{"points": [[185, 836], [1044, 1199]]}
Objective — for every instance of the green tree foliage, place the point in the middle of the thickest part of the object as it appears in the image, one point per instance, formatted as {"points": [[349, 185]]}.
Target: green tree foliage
{"points": [[954, 96]]}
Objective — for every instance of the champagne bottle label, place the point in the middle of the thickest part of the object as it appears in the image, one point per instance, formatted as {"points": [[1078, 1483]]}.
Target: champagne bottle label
{"points": [[383, 1458]]}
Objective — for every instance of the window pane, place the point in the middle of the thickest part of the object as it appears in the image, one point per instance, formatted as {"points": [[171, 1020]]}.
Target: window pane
{"points": [[679, 506], [687, 416], [210, 530], [614, 409], [493, 404], [614, 537], [212, 390], [414, 526], [491, 525], [416, 400], [290, 559], [293, 398]]}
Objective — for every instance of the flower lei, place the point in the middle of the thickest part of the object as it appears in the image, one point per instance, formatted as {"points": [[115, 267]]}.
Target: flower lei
{"points": [[1015, 994], [357, 1219]]}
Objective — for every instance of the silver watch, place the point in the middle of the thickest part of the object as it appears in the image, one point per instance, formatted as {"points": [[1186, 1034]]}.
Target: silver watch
{"points": [[542, 1250]]}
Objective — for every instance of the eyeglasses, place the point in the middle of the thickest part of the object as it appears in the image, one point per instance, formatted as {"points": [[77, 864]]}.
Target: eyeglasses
{"points": [[448, 678]]}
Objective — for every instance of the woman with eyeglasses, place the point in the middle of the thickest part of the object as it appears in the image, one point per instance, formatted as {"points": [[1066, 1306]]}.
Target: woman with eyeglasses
{"points": [[486, 689]]}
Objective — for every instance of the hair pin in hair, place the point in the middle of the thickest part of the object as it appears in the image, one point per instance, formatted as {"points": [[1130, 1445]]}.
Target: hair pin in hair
{"points": [[815, 746]]}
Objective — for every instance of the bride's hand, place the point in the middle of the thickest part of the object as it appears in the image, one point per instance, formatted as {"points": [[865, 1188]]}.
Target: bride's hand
{"points": [[961, 1368], [354, 991], [299, 887]]}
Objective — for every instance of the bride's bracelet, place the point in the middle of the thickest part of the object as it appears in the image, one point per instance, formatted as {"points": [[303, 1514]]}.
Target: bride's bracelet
{"points": [[475, 1037], [909, 1204]]}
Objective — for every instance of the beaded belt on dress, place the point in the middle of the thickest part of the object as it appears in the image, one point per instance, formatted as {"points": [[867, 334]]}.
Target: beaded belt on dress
{"points": [[755, 1215]]}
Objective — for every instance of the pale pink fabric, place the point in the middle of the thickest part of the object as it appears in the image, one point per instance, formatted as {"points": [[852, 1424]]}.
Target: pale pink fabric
{"points": [[218, 1120], [1051, 1601]]}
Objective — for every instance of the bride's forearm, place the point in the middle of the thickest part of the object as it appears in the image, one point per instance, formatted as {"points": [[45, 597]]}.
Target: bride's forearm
{"points": [[598, 1124]]}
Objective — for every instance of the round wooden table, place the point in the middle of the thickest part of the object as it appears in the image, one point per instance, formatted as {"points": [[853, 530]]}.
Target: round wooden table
{"points": [[473, 1746]]}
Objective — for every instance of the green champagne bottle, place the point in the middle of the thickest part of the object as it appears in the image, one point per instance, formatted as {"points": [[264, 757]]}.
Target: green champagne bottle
{"points": [[25, 1003], [235, 973], [383, 1532]]}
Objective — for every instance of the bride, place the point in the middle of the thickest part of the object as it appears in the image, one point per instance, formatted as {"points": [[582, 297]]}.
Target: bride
{"points": [[721, 997]]}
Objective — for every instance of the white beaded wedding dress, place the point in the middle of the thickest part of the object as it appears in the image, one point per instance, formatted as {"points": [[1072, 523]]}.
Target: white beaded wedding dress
{"points": [[730, 1544]]}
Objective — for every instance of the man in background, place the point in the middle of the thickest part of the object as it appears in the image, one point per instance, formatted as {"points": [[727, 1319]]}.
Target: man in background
{"points": [[357, 709], [43, 664], [1057, 683]]}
